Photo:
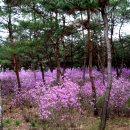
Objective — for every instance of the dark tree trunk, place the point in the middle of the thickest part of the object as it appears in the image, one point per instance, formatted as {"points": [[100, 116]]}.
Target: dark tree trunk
{"points": [[90, 66], [16, 69], [57, 51], [64, 47], [109, 70], [41, 68], [58, 63], [64, 59], [42, 71], [71, 47], [15, 62], [101, 66]]}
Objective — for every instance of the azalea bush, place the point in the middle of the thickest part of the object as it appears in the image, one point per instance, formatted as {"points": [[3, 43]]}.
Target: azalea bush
{"points": [[50, 98], [119, 95]]}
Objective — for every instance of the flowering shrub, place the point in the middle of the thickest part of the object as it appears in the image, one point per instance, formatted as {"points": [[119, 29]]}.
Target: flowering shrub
{"points": [[50, 98], [59, 97], [120, 92], [8, 79]]}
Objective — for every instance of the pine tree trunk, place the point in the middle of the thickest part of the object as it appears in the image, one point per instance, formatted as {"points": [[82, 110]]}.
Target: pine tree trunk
{"points": [[109, 71], [64, 59], [16, 69], [42, 71], [101, 66], [58, 63], [71, 50], [15, 62], [90, 66]]}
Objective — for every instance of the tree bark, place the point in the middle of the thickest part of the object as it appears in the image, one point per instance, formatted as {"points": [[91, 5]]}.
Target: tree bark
{"points": [[109, 71], [71, 52], [58, 63], [90, 66], [100, 64], [16, 69], [64, 59], [15, 62], [113, 48], [42, 71]]}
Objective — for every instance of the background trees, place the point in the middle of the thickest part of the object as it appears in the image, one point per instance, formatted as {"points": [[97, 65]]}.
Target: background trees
{"points": [[65, 34]]}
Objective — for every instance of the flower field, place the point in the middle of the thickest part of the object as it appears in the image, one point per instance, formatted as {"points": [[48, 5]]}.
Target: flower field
{"points": [[56, 101]]}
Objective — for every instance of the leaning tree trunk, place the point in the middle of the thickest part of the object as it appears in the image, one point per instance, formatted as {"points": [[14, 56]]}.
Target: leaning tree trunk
{"points": [[90, 66], [15, 62], [109, 71]]}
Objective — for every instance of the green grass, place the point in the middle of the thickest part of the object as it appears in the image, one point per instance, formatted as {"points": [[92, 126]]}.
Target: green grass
{"points": [[17, 122], [7, 122], [33, 124]]}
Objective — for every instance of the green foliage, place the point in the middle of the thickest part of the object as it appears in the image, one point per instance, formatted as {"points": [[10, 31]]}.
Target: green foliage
{"points": [[17, 122], [129, 103], [37, 29], [7, 122], [33, 124]]}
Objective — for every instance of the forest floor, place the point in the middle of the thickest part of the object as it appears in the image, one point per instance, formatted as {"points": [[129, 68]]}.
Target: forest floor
{"points": [[19, 119]]}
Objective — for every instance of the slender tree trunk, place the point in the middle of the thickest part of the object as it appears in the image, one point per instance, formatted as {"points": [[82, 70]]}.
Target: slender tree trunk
{"points": [[15, 62], [90, 66], [16, 69], [85, 52], [42, 71], [33, 69], [64, 47], [109, 71], [57, 51], [64, 59], [100, 65], [58, 63], [41, 68], [71, 51]]}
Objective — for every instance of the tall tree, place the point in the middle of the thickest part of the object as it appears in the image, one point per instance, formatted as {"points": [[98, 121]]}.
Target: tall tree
{"points": [[103, 4], [8, 12], [90, 64]]}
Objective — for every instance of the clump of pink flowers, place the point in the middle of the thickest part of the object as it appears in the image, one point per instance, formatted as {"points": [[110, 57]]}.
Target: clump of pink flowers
{"points": [[50, 98]]}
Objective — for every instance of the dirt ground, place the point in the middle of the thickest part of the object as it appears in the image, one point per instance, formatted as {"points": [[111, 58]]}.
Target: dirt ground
{"points": [[19, 119]]}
